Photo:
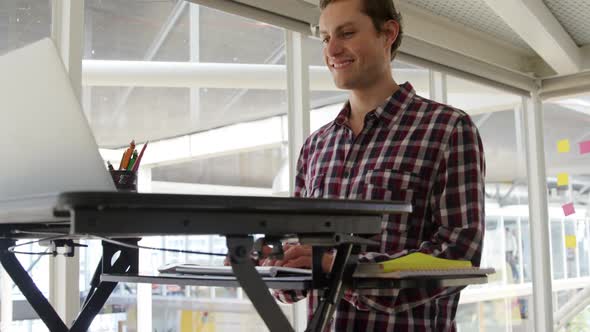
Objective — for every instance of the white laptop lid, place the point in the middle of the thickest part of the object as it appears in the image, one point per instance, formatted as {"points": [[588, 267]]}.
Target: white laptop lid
{"points": [[46, 143]]}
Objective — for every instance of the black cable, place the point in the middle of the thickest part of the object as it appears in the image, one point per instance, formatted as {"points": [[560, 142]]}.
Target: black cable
{"points": [[56, 236], [122, 244], [50, 238], [31, 253]]}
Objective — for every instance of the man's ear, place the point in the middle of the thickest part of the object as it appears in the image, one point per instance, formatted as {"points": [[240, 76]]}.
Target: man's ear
{"points": [[390, 30]]}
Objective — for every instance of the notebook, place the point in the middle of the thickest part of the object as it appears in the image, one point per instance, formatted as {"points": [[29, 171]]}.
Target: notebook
{"points": [[419, 265], [265, 271], [47, 145]]}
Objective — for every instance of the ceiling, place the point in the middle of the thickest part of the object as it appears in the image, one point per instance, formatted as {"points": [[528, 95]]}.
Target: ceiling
{"points": [[474, 14], [540, 38]]}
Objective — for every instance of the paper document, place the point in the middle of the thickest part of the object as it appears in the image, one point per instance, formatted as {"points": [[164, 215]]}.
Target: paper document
{"points": [[465, 272], [265, 271]]}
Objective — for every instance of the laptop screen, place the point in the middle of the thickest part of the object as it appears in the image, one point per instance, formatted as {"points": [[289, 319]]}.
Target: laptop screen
{"points": [[46, 143]]}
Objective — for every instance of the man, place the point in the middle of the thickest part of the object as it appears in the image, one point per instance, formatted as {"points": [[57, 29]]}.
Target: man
{"points": [[511, 253], [387, 143]]}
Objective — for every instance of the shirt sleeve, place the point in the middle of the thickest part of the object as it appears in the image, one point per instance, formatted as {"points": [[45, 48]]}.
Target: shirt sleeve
{"points": [[457, 211]]}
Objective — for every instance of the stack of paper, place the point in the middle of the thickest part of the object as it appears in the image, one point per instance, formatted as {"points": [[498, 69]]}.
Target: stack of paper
{"points": [[417, 265]]}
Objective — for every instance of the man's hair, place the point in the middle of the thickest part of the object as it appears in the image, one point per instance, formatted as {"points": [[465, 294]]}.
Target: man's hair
{"points": [[380, 11]]}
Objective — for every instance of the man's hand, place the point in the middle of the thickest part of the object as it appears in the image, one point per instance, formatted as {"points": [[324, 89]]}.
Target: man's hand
{"points": [[266, 250], [299, 256]]}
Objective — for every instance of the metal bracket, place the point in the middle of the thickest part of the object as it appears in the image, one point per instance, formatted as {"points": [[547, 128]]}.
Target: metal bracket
{"points": [[27, 286], [335, 240], [276, 245], [340, 278], [240, 249], [127, 262]]}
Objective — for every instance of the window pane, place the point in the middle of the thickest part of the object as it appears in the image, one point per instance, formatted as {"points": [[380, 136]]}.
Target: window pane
{"points": [[506, 242], [23, 22], [566, 121], [557, 249]]}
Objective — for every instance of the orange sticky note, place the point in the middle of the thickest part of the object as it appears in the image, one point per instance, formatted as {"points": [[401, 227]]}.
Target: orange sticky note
{"points": [[562, 179], [570, 241], [563, 146]]}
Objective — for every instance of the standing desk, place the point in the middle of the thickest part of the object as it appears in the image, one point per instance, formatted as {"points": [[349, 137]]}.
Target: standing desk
{"points": [[345, 225]]}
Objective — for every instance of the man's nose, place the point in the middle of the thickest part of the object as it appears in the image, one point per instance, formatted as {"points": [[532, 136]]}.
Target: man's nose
{"points": [[333, 47]]}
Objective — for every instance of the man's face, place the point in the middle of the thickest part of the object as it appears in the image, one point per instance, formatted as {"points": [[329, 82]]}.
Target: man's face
{"points": [[356, 54]]}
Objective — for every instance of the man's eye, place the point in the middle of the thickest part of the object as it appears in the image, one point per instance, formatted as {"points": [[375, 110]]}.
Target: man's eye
{"points": [[325, 40], [348, 34]]}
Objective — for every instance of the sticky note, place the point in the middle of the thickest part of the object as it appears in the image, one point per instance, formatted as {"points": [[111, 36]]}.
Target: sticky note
{"points": [[568, 209], [563, 146], [570, 241], [584, 147], [562, 179]]}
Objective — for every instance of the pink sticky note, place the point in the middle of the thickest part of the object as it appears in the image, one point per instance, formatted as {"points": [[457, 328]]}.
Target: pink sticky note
{"points": [[584, 147], [568, 209]]}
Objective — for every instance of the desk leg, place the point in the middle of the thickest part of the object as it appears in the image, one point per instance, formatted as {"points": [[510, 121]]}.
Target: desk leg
{"points": [[240, 248], [340, 277], [26, 285], [100, 291]]}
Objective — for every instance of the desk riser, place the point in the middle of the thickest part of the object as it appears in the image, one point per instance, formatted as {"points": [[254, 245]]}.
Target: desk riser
{"points": [[131, 223]]}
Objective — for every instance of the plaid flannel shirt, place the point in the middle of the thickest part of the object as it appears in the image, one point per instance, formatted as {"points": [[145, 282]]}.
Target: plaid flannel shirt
{"points": [[410, 148]]}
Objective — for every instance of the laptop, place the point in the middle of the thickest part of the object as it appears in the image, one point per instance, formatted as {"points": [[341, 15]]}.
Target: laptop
{"points": [[46, 143]]}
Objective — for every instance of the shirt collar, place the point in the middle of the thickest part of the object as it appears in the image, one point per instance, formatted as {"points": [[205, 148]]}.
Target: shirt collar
{"points": [[386, 112]]}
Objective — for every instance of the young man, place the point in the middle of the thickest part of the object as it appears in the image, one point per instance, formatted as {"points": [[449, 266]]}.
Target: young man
{"points": [[387, 143]]}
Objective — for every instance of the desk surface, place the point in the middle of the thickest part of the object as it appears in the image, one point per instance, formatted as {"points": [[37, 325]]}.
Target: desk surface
{"points": [[243, 204], [120, 214], [127, 214]]}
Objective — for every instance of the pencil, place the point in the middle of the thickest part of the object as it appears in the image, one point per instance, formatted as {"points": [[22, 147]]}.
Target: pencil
{"points": [[136, 165], [127, 156]]}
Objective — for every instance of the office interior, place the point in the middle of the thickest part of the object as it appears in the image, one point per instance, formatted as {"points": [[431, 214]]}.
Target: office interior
{"points": [[258, 87]]}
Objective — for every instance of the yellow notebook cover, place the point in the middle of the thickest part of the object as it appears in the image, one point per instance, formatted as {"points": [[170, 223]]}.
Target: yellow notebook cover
{"points": [[420, 261]]}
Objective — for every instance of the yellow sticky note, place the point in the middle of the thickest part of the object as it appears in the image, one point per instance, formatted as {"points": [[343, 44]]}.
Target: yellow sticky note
{"points": [[562, 179], [191, 321], [570, 241], [563, 146]]}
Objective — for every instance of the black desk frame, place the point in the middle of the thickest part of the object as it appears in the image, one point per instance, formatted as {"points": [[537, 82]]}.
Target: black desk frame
{"points": [[127, 262], [125, 269], [320, 223]]}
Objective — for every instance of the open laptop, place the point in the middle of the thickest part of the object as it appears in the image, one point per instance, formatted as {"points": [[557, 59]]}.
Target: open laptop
{"points": [[46, 144]]}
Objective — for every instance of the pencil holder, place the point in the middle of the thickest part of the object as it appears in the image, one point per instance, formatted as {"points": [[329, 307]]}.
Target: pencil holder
{"points": [[125, 180]]}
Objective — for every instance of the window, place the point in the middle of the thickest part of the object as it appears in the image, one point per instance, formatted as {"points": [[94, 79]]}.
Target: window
{"points": [[23, 22]]}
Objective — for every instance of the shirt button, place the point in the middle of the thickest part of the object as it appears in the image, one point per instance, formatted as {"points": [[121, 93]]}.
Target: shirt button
{"points": [[346, 174]]}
